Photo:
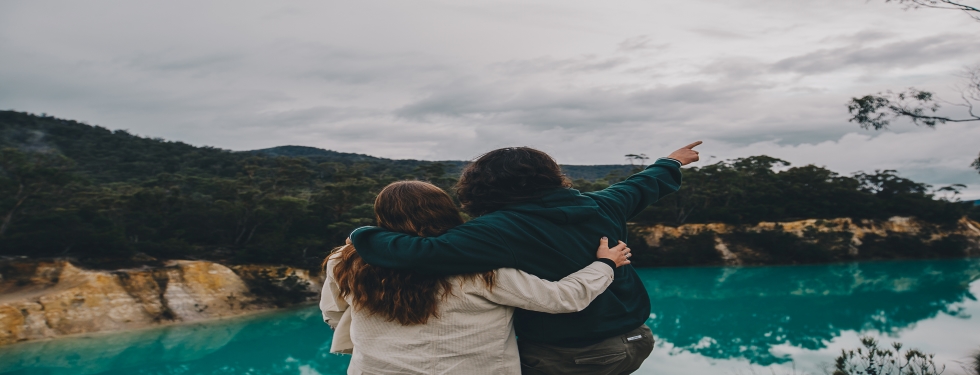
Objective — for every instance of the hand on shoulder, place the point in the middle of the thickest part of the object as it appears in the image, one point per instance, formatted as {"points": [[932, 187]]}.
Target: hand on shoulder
{"points": [[619, 254]]}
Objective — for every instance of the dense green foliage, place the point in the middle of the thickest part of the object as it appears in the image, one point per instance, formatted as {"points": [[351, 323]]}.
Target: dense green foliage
{"points": [[70, 189], [109, 197], [777, 246], [762, 188], [695, 250], [875, 360]]}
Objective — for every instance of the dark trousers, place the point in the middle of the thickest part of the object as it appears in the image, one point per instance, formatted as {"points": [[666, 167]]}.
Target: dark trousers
{"points": [[616, 355]]}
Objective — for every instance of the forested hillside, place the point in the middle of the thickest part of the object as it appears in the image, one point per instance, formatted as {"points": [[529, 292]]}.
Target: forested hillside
{"points": [[110, 198]]}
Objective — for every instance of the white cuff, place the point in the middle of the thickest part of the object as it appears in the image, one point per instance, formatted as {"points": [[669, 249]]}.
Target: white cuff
{"points": [[679, 164], [351, 235]]}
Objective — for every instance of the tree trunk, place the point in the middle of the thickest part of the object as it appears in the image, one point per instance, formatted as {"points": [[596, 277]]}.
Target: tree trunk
{"points": [[6, 222], [243, 224], [250, 235], [10, 215]]}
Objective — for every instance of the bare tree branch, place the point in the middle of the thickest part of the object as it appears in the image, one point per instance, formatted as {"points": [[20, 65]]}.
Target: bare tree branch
{"points": [[877, 111], [871, 111], [972, 11]]}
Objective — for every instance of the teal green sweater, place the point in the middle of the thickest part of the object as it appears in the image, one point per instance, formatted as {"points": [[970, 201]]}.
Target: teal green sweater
{"points": [[550, 237]]}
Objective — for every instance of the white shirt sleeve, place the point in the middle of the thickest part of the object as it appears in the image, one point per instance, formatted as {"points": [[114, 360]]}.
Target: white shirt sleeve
{"points": [[336, 311], [331, 305], [573, 293]]}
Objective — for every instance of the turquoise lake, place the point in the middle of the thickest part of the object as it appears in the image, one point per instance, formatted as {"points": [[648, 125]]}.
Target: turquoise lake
{"points": [[717, 320]]}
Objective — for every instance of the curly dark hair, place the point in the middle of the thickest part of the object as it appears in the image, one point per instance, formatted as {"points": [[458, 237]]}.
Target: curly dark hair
{"points": [[505, 176]]}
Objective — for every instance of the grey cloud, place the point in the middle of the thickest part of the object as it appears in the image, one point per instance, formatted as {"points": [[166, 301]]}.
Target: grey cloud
{"points": [[902, 54], [736, 68], [718, 33], [334, 64], [300, 118], [641, 42], [863, 36], [444, 80], [545, 109], [580, 64], [200, 65], [789, 129]]}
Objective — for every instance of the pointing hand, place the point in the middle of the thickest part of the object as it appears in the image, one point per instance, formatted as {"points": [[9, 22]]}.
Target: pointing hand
{"points": [[686, 155]]}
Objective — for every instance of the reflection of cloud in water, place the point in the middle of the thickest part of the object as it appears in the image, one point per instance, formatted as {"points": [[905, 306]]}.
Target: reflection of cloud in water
{"points": [[293, 342], [99, 353], [709, 320], [746, 312]]}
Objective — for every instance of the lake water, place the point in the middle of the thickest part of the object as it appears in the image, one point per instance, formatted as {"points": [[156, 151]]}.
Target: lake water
{"points": [[718, 320]]}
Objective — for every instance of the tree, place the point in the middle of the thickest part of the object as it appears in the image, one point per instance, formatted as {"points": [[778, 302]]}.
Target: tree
{"points": [[436, 174], [24, 176], [970, 10], [887, 183], [950, 192], [877, 111], [974, 365], [637, 161], [873, 360], [265, 187]]}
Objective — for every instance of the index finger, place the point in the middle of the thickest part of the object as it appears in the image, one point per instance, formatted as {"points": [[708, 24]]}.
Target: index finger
{"points": [[620, 247], [693, 145]]}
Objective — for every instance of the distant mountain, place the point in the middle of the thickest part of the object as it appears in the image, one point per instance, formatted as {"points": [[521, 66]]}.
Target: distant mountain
{"points": [[116, 155], [104, 155], [314, 153], [108, 197], [588, 172], [319, 155]]}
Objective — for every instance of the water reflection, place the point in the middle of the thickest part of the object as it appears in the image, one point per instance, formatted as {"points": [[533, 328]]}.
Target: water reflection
{"points": [[283, 343], [721, 313], [744, 312]]}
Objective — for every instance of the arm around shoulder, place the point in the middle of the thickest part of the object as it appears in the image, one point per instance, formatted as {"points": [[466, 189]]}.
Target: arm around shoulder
{"points": [[469, 248], [573, 293]]}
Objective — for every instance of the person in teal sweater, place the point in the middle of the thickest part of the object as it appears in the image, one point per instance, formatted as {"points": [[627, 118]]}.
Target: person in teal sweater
{"points": [[526, 216]]}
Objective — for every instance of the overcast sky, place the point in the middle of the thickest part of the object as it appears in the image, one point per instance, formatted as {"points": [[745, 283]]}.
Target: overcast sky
{"points": [[586, 81]]}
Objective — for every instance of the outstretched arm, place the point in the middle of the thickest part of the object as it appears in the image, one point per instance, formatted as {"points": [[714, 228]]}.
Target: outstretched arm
{"points": [[468, 248], [640, 190]]}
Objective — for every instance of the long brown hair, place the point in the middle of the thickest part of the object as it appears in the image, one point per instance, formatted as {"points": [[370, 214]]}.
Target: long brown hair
{"points": [[411, 207]]}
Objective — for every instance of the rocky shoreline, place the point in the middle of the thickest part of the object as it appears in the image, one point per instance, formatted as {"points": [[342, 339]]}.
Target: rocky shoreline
{"points": [[42, 299], [803, 242], [53, 298]]}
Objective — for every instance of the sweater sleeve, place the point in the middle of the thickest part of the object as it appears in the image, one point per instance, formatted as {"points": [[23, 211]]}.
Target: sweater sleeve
{"points": [[469, 248], [336, 311], [573, 293], [331, 305], [628, 198]]}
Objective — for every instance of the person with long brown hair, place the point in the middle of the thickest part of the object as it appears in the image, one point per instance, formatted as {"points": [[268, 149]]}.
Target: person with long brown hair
{"points": [[403, 322], [525, 215]]}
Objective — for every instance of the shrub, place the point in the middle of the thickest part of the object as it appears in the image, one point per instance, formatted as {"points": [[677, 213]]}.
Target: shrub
{"points": [[698, 249], [873, 360], [778, 246]]}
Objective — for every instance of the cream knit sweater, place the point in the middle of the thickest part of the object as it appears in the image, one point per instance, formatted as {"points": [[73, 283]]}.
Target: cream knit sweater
{"points": [[474, 333]]}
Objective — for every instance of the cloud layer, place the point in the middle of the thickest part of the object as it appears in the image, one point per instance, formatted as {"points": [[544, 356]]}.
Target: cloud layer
{"points": [[588, 82]]}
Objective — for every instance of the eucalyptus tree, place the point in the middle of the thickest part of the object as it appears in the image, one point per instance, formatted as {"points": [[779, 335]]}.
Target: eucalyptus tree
{"points": [[877, 111], [27, 176]]}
